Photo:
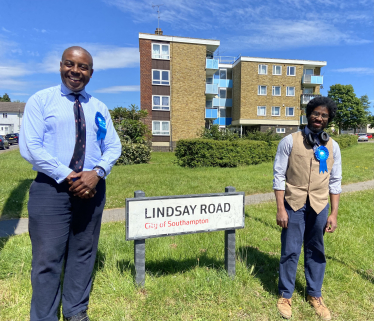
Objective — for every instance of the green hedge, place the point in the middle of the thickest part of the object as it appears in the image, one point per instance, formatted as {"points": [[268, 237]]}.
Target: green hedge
{"points": [[134, 154], [207, 152], [345, 141]]}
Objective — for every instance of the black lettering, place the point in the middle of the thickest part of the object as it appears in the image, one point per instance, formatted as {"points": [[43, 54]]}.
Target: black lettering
{"points": [[146, 214], [160, 212], [154, 214], [211, 208], [177, 210], [185, 211], [193, 209], [167, 211], [219, 208], [202, 208], [227, 207]]}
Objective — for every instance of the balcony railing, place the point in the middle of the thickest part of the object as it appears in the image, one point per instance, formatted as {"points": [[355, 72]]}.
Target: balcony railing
{"points": [[211, 64], [211, 89], [223, 121], [313, 80], [306, 98], [223, 83], [222, 102], [211, 113]]}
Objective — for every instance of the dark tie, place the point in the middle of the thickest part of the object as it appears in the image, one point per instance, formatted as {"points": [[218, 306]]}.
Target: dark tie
{"points": [[77, 161]]}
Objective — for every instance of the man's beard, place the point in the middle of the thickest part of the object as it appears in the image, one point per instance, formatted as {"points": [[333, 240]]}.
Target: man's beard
{"points": [[314, 129]]}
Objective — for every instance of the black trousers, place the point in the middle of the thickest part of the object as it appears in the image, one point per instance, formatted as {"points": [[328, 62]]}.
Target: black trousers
{"points": [[63, 229]]}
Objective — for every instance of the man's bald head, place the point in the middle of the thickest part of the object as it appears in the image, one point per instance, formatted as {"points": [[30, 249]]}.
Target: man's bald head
{"points": [[77, 48]]}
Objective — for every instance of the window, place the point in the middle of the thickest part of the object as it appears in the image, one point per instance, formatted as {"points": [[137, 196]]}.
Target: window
{"points": [[222, 93], [308, 71], [209, 80], [275, 111], [161, 128], [209, 104], [291, 71], [222, 112], [160, 51], [290, 111], [290, 91], [262, 69], [307, 90], [223, 74], [160, 102], [281, 130], [5, 115], [261, 110], [160, 77], [262, 90], [277, 70], [276, 90]]}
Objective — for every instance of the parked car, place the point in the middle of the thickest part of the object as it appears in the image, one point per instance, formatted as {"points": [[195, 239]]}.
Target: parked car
{"points": [[3, 143], [363, 138], [12, 138], [370, 136]]}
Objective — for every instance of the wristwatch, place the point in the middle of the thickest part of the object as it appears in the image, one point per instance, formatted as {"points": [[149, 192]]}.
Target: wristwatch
{"points": [[99, 171]]}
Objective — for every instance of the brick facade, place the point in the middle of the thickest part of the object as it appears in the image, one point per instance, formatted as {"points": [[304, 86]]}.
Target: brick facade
{"points": [[145, 50]]}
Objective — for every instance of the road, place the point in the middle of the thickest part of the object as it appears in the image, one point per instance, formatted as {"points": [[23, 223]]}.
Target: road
{"points": [[11, 147]]}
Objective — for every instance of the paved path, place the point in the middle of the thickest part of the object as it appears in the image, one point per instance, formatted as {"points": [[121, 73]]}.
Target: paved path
{"points": [[19, 226]]}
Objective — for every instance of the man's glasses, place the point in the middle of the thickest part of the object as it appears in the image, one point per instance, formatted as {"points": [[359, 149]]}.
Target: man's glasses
{"points": [[317, 114]]}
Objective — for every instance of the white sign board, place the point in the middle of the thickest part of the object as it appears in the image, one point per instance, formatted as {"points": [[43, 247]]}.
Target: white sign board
{"points": [[148, 217]]}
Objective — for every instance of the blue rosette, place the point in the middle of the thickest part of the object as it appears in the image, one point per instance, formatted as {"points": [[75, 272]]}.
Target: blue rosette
{"points": [[101, 125], [322, 154]]}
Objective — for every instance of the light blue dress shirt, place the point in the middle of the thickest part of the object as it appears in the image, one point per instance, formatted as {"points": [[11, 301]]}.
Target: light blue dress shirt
{"points": [[47, 137], [281, 165]]}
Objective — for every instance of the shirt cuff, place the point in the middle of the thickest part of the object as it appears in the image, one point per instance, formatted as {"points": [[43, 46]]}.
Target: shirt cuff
{"points": [[60, 173], [335, 190], [105, 166], [279, 185]]}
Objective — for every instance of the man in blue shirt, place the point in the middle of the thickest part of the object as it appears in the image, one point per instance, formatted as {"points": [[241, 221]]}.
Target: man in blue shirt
{"points": [[68, 137]]}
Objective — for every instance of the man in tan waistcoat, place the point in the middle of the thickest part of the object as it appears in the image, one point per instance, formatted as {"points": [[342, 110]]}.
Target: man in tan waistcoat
{"points": [[307, 170]]}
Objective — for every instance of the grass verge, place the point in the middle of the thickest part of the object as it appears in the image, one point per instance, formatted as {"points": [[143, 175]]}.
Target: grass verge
{"points": [[163, 177], [186, 279]]}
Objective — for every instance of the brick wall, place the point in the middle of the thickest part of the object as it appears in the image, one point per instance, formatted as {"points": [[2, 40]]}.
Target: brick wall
{"points": [[249, 100], [187, 89], [145, 51], [236, 91]]}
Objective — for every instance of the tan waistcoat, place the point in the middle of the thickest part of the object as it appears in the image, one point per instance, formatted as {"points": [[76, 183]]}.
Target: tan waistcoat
{"points": [[303, 178]]}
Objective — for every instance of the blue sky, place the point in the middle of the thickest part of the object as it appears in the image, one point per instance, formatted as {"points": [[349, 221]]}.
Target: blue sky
{"points": [[34, 33]]}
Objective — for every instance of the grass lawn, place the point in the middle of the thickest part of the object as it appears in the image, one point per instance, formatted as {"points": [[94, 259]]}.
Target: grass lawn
{"points": [[186, 280], [163, 177]]}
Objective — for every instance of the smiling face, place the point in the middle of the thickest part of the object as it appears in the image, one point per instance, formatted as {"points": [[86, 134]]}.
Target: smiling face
{"points": [[76, 69], [318, 119]]}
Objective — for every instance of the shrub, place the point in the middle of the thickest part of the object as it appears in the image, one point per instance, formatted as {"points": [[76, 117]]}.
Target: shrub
{"points": [[218, 134], [345, 141], [267, 136], [223, 153], [133, 133]]}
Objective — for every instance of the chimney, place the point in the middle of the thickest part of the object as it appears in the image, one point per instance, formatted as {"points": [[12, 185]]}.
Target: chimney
{"points": [[158, 31]]}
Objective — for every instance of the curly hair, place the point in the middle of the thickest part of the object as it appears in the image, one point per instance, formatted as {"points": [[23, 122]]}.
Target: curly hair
{"points": [[322, 101]]}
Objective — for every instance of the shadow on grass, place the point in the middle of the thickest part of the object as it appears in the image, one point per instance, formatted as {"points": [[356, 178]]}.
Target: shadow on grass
{"points": [[266, 268], [99, 265]]}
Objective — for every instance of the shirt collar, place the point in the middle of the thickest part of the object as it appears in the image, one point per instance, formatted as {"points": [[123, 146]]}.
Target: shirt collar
{"points": [[66, 91]]}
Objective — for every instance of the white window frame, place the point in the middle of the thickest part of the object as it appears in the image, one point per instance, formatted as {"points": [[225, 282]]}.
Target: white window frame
{"points": [[288, 113], [272, 111], [258, 109], [225, 70], [280, 74], [280, 130], [287, 94], [163, 57], [161, 70], [161, 121], [223, 110], [288, 70], [219, 93], [280, 90], [260, 73], [160, 109], [259, 90]]}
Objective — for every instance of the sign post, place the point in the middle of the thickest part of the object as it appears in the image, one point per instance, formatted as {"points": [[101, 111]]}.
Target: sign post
{"points": [[148, 217]]}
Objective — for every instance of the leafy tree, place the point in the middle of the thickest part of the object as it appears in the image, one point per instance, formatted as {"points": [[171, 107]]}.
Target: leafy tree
{"points": [[371, 121], [5, 98], [350, 112], [133, 133]]}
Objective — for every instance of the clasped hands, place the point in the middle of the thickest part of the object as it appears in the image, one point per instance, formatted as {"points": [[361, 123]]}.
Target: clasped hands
{"points": [[83, 184]]}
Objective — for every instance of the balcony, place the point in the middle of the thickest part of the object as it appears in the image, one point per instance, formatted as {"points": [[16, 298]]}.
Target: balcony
{"points": [[224, 121], [211, 66], [211, 113], [222, 102], [223, 83], [306, 98], [312, 80], [211, 89]]}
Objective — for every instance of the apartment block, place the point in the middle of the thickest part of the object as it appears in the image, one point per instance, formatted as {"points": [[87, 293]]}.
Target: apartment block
{"points": [[185, 87]]}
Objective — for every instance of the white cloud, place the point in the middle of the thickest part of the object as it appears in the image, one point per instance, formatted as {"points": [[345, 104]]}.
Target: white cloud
{"points": [[117, 89], [5, 30], [362, 71]]}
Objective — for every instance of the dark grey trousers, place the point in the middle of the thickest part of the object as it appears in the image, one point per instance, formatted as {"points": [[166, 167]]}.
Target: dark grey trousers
{"points": [[64, 229]]}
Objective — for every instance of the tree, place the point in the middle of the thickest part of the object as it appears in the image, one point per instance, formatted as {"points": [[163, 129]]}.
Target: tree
{"points": [[350, 112], [5, 98], [133, 133]]}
